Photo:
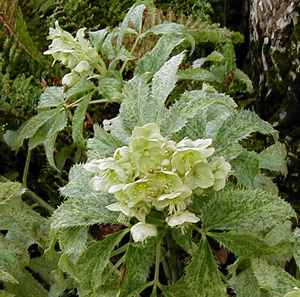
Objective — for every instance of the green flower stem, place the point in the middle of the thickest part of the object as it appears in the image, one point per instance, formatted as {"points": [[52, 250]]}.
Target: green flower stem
{"points": [[101, 67], [156, 282], [120, 250], [173, 260], [202, 232], [131, 52], [26, 168], [33, 197], [113, 269]]}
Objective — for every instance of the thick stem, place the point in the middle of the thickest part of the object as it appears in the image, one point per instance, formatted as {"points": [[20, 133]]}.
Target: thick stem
{"points": [[26, 168]]}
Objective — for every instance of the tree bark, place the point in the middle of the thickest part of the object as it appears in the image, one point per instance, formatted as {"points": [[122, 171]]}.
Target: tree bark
{"points": [[274, 56]]}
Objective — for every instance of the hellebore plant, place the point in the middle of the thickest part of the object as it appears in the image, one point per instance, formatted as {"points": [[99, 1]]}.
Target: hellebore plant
{"points": [[169, 183], [154, 173]]}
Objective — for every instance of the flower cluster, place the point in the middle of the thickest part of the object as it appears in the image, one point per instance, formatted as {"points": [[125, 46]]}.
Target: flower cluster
{"points": [[75, 53], [153, 172]]}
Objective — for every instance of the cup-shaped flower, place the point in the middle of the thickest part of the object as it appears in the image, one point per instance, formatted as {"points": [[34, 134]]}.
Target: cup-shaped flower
{"points": [[182, 218], [149, 131], [142, 190], [146, 154], [70, 79], [294, 293], [141, 231], [221, 170], [201, 175]]}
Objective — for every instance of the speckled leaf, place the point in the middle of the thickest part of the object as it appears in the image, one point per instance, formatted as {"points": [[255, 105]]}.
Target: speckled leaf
{"points": [[273, 279], [52, 97], [15, 139], [97, 38], [244, 210], [78, 120], [274, 158], [139, 259], [93, 261]]}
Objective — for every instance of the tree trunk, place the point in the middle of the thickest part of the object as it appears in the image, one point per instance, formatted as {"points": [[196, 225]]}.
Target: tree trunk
{"points": [[275, 71]]}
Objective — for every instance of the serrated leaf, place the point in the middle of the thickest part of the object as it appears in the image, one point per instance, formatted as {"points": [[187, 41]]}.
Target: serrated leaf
{"points": [[273, 279], [247, 210], [274, 158], [243, 78], [59, 124], [85, 206], [136, 16], [247, 245], [152, 61], [73, 240], [5, 294], [97, 38], [239, 126], [139, 258], [19, 217], [103, 144], [197, 74], [78, 120], [93, 261], [27, 286], [172, 28], [245, 284], [136, 109], [110, 88], [7, 277], [107, 47], [189, 105], [245, 168], [265, 184], [202, 276], [40, 136], [183, 240], [164, 81], [81, 87], [15, 139], [52, 97]]}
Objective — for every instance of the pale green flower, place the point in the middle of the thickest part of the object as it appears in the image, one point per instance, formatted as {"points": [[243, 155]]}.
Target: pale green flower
{"points": [[147, 154], [201, 175], [141, 231], [294, 293], [141, 190], [70, 79], [122, 207], [221, 170], [182, 218], [149, 131]]}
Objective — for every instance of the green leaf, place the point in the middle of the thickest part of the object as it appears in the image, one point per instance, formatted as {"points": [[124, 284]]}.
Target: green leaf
{"points": [[273, 279], [41, 134], [265, 184], [97, 38], [136, 16], [59, 124], [107, 47], [243, 78], [241, 210], [103, 144], [52, 97], [5, 294], [247, 245], [6, 277], [78, 120], [246, 168], [138, 260], [189, 105], [197, 74], [73, 240], [184, 240], [19, 217], [110, 88], [164, 81], [152, 61], [82, 86], [85, 206], [245, 284], [15, 139], [202, 276], [274, 158], [93, 261], [239, 126], [136, 108], [172, 28]]}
